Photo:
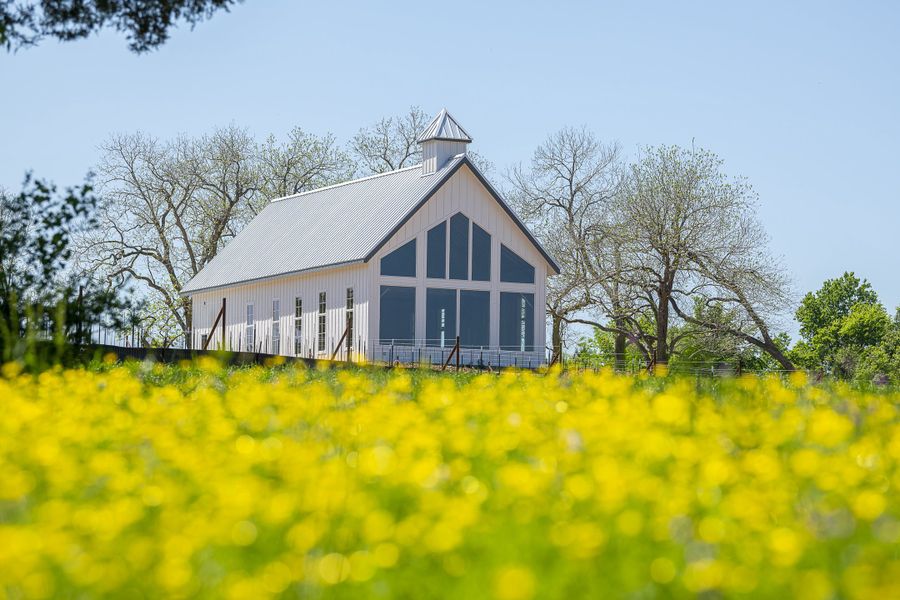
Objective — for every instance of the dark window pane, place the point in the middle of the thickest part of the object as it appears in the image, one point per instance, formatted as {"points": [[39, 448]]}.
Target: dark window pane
{"points": [[348, 340], [481, 254], [397, 322], [440, 317], [513, 268], [459, 246], [298, 326], [401, 262], [437, 251], [251, 330], [474, 319], [516, 321], [321, 337]]}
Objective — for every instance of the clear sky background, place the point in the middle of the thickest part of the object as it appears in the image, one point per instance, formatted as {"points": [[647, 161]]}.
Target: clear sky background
{"points": [[801, 98]]}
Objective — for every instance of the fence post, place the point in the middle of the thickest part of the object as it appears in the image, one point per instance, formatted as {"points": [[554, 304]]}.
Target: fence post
{"points": [[80, 312], [457, 350], [223, 325]]}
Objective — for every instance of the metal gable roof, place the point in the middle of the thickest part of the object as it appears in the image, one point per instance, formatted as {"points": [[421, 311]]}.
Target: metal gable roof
{"points": [[337, 225], [327, 227], [444, 127]]}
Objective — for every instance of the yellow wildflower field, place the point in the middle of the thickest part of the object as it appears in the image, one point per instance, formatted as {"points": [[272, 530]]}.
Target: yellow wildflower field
{"points": [[141, 481]]}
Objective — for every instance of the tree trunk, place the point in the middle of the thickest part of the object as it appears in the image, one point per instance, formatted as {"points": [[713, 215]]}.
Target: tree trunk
{"points": [[620, 343], [766, 344], [556, 338], [776, 353], [661, 356], [189, 320]]}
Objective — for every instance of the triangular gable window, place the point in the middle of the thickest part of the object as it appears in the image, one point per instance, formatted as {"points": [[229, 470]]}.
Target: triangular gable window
{"points": [[401, 262], [459, 246], [466, 250], [481, 254], [514, 268]]}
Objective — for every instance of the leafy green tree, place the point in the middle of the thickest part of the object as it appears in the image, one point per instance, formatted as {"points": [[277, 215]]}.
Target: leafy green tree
{"points": [[840, 323], [146, 23], [881, 363], [41, 298]]}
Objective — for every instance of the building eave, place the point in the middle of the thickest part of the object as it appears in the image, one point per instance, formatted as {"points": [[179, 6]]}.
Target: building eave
{"points": [[315, 269]]}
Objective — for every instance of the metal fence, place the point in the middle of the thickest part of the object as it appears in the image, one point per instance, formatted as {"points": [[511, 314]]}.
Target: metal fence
{"points": [[413, 352], [410, 353], [430, 352]]}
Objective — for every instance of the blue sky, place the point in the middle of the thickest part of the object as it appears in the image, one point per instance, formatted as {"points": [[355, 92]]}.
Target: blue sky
{"points": [[801, 98]]}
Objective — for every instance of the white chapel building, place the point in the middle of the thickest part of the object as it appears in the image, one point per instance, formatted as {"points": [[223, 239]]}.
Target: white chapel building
{"points": [[392, 267]]}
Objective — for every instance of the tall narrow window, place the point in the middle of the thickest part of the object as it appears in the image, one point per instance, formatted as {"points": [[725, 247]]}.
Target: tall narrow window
{"points": [[321, 341], [397, 315], [437, 251], [474, 318], [349, 326], [250, 330], [481, 254], [440, 317], [517, 321], [459, 246], [401, 262], [298, 326], [276, 326], [513, 268]]}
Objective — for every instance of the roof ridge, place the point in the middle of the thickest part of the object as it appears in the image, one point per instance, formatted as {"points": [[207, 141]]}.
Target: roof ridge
{"points": [[343, 183]]}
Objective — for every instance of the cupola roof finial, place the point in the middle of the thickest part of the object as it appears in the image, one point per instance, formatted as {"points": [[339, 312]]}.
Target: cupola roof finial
{"points": [[444, 128]]}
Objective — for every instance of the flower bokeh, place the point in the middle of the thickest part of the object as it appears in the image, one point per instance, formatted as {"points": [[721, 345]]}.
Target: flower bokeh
{"points": [[200, 481]]}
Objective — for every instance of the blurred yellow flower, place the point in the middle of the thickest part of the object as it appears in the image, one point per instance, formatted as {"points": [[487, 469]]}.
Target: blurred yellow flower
{"points": [[200, 480], [514, 583]]}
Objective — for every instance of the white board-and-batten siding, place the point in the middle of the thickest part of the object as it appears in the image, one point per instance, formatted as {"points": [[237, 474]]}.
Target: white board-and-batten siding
{"points": [[464, 193], [334, 282]]}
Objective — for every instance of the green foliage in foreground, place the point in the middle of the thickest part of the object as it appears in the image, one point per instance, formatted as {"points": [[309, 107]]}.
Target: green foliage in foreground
{"points": [[45, 306]]}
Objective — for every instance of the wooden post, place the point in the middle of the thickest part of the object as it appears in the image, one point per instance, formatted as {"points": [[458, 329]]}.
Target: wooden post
{"points": [[450, 356], [80, 313], [341, 341], [212, 329], [223, 324], [553, 358]]}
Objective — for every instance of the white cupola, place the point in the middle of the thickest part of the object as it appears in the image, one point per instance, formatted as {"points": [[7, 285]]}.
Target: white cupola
{"points": [[443, 139]]}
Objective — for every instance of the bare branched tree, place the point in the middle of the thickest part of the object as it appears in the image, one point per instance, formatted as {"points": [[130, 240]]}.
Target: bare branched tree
{"points": [[635, 246], [305, 162], [168, 208], [745, 282], [564, 195], [390, 144], [689, 231]]}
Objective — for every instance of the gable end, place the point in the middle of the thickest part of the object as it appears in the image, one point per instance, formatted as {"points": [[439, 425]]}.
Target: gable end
{"points": [[496, 196]]}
